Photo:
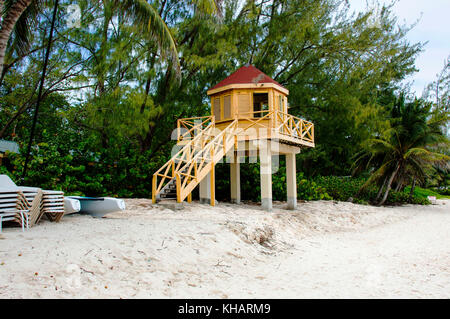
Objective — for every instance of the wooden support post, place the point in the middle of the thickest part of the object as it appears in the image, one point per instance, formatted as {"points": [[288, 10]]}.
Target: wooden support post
{"points": [[213, 186], [224, 143], [265, 157], [235, 179], [189, 196], [195, 171], [178, 184], [154, 185], [291, 181]]}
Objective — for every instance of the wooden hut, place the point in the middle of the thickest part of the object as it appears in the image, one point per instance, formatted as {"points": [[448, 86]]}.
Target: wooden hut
{"points": [[249, 115]]}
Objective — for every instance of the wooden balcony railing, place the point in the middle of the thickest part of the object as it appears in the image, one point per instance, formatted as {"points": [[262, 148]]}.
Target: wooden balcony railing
{"points": [[277, 122], [292, 126], [280, 123]]}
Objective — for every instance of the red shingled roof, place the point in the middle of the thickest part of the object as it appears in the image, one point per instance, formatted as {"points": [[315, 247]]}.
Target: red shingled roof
{"points": [[246, 75]]}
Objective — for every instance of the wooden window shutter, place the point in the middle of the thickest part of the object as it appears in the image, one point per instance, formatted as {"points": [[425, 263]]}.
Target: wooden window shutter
{"points": [[217, 110], [227, 107], [244, 103]]}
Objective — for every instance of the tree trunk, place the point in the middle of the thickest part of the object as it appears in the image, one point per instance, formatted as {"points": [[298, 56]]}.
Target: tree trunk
{"points": [[411, 193], [388, 187], [399, 184], [7, 26], [41, 87], [381, 189], [102, 73]]}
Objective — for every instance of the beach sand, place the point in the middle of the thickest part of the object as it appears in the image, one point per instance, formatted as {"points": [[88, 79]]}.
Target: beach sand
{"points": [[324, 249]]}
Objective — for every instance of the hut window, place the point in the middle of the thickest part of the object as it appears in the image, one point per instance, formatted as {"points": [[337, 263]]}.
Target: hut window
{"points": [[227, 106], [217, 111], [260, 103]]}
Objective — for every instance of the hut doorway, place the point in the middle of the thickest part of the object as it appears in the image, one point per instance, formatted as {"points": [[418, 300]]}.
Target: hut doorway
{"points": [[260, 103]]}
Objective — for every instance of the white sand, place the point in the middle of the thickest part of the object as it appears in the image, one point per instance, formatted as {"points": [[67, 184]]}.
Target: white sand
{"points": [[324, 249]]}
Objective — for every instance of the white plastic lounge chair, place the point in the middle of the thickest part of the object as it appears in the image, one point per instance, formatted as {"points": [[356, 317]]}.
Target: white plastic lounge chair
{"points": [[14, 198], [19, 216], [13, 208], [37, 201], [5, 181], [53, 205], [11, 215]]}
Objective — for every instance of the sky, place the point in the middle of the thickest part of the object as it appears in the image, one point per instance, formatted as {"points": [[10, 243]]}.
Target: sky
{"points": [[433, 26]]}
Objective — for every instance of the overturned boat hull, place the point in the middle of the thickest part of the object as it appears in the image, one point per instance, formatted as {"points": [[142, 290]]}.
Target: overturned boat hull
{"points": [[99, 206], [71, 205]]}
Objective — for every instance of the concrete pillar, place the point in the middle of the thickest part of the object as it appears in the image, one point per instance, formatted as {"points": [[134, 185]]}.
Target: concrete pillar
{"points": [[265, 159], [291, 181], [235, 180], [205, 189]]}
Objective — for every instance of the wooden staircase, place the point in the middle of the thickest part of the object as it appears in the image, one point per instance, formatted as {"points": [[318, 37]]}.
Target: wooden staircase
{"points": [[169, 191], [176, 179]]}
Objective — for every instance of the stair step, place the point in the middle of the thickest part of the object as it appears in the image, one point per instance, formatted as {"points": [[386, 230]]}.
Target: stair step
{"points": [[167, 196]]}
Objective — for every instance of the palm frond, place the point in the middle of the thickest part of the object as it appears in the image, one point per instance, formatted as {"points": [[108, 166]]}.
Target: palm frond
{"points": [[417, 169], [378, 174], [416, 151], [21, 35], [426, 155], [151, 24], [379, 145]]}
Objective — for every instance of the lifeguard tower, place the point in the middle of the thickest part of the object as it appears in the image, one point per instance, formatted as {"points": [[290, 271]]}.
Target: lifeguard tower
{"points": [[249, 117]]}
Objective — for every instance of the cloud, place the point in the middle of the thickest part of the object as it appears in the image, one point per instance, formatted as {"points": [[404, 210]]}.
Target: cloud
{"points": [[433, 27]]}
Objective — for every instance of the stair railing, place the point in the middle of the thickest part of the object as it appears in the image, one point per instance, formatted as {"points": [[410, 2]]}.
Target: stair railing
{"points": [[191, 126], [168, 171], [191, 173]]}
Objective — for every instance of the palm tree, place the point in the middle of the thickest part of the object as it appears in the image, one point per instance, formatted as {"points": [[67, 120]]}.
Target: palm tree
{"points": [[13, 20], [406, 151]]}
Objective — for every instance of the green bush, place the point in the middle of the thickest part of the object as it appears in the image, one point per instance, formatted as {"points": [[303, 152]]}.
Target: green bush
{"points": [[340, 188], [345, 188], [308, 189]]}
